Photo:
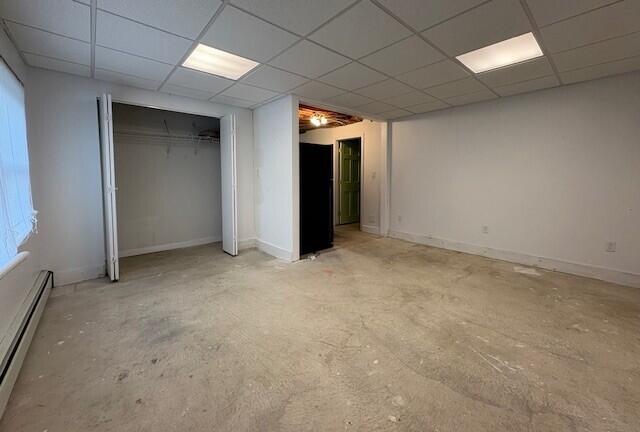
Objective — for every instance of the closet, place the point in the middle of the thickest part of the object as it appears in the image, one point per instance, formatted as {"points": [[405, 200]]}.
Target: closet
{"points": [[163, 181]]}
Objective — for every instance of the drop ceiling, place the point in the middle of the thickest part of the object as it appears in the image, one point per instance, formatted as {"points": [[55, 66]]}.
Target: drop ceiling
{"points": [[383, 58]]}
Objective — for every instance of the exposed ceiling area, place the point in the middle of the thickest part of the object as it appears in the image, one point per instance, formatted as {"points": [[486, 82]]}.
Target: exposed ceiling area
{"points": [[381, 58], [333, 118]]}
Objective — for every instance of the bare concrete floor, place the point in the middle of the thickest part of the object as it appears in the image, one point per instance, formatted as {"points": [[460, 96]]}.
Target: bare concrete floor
{"points": [[374, 335]]}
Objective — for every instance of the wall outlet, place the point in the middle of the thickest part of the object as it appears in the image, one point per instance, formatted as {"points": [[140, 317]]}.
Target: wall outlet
{"points": [[485, 229], [372, 219], [399, 218], [611, 246]]}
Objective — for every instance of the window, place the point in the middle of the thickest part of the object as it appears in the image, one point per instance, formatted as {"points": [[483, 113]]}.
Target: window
{"points": [[17, 217]]}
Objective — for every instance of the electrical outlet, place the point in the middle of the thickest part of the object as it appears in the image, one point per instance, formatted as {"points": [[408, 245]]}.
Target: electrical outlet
{"points": [[485, 229], [372, 219], [611, 246], [399, 218]]}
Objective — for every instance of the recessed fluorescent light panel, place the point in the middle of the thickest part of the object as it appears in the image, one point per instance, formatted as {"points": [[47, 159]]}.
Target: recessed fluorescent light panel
{"points": [[505, 53], [214, 61]]}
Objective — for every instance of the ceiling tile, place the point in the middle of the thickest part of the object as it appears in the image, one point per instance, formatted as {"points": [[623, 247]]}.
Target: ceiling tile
{"points": [[601, 52], [396, 113], [414, 12], [247, 36], [385, 89], [546, 12], [47, 44], [317, 90], [456, 88], [298, 16], [117, 61], [309, 59], [352, 76], [197, 80], [615, 20], [528, 86], [403, 56], [233, 101], [184, 91], [410, 99], [184, 18], [520, 72], [376, 107], [602, 70], [64, 17], [126, 80], [57, 65], [492, 22], [361, 30], [434, 74], [274, 79], [471, 98], [249, 93], [128, 36], [349, 100], [427, 107]]}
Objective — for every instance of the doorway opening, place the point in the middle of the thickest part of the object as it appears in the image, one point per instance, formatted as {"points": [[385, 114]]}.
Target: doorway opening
{"points": [[349, 180], [168, 183], [321, 138]]}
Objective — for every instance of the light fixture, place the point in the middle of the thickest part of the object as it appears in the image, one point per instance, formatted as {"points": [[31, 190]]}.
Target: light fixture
{"points": [[217, 62], [505, 53], [318, 120]]}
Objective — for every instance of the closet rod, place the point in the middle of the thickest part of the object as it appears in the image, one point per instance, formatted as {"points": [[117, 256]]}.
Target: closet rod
{"points": [[161, 136]]}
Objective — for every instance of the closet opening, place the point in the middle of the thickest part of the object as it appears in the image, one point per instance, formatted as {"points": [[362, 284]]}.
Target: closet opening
{"points": [[163, 187]]}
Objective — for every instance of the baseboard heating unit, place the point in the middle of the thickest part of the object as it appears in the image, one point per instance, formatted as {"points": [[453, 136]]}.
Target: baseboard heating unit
{"points": [[15, 350]]}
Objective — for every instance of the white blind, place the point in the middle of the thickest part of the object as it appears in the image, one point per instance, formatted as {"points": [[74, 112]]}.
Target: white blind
{"points": [[17, 217]]}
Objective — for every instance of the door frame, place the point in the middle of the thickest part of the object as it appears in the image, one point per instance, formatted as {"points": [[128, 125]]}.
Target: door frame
{"points": [[124, 101], [336, 177]]}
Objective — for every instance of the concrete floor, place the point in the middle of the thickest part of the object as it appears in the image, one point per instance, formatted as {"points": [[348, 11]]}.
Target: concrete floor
{"points": [[374, 335]]}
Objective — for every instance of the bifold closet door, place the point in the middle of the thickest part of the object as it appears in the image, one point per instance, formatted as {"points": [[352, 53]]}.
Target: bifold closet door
{"points": [[229, 189], [109, 186]]}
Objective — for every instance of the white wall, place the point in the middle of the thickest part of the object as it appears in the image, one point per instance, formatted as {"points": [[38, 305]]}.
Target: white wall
{"points": [[66, 174], [275, 132], [372, 158], [554, 175], [168, 191]]}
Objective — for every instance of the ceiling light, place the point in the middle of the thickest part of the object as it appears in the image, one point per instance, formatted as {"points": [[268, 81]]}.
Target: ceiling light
{"points": [[505, 53], [318, 120], [214, 61]]}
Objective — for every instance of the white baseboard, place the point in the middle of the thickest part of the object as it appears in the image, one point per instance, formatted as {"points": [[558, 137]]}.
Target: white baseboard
{"points": [[371, 229], [169, 246], [274, 250], [246, 244], [66, 277], [595, 272]]}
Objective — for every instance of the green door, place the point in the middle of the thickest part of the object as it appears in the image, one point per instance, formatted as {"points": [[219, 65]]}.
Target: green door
{"points": [[349, 181]]}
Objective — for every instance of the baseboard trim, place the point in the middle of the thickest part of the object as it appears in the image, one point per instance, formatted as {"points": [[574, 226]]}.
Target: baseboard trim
{"points": [[371, 229], [246, 244], [23, 328], [80, 274], [274, 250], [595, 272], [169, 246]]}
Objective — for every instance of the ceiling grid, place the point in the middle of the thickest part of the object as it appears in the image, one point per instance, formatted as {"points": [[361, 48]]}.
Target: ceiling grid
{"points": [[383, 58]]}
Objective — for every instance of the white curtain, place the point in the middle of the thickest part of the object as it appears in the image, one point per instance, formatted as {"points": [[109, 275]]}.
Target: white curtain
{"points": [[17, 217]]}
